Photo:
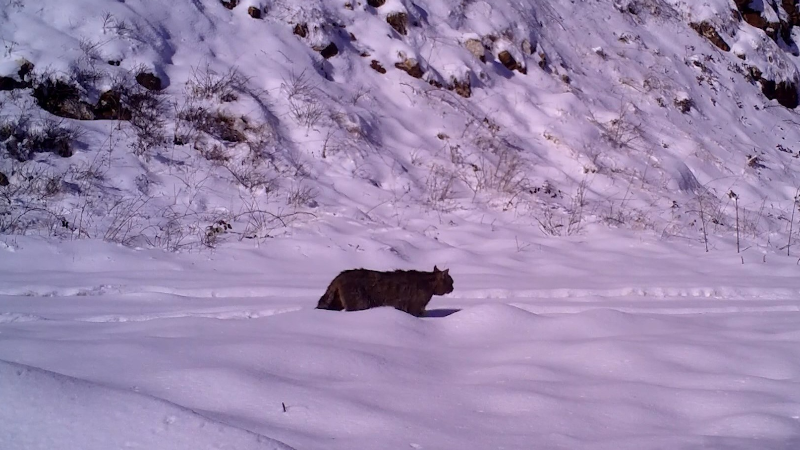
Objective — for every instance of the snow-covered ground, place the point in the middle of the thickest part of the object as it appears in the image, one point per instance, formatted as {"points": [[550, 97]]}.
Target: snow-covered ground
{"points": [[602, 344], [157, 286]]}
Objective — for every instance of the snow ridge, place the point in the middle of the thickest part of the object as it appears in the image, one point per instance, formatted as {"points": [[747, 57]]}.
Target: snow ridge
{"points": [[88, 415]]}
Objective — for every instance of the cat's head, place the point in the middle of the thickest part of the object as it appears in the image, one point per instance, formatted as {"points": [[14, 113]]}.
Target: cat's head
{"points": [[443, 282]]}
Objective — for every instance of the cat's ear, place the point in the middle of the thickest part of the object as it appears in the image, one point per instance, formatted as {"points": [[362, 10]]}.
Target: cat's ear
{"points": [[446, 271], [435, 269]]}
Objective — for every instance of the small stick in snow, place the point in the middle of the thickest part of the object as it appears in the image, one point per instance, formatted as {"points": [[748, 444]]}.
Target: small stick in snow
{"points": [[284, 406], [735, 198], [791, 222]]}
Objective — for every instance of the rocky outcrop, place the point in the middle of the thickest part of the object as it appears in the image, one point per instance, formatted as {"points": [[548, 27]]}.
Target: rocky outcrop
{"points": [[376, 66], [785, 92], [510, 63], [62, 99], [329, 51], [230, 4], [781, 30], [410, 66], [149, 81], [477, 49], [254, 12], [301, 29], [706, 30]]}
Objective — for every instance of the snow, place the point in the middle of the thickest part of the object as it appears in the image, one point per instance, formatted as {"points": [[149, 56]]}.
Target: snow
{"points": [[80, 414], [600, 300], [604, 344]]}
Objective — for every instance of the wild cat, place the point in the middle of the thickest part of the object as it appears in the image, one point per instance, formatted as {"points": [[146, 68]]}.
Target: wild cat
{"points": [[406, 290]]}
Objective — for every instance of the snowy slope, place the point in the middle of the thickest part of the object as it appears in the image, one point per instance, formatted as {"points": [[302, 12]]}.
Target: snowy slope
{"points": [[627, 117]]}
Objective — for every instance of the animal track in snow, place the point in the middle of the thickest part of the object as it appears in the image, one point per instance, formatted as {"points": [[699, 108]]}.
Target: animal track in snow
{"points": [[220, 315]]}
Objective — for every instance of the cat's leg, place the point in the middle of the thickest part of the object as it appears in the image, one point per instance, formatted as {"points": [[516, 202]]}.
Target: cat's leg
{"points": [[331, 299], [356, 299]]}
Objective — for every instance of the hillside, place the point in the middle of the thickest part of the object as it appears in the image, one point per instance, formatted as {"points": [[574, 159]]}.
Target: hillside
{"points": [[176, 125]]}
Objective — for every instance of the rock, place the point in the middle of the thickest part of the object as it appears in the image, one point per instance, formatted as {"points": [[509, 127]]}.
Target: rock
{"points": [[509, 62], [376, 3], [4, 179], [149, 81], [62, 99], [707, 31], [410, 66], [755, 19], [254, 12], [230, 4], [398, 21], [784, 92], [329, 51], [301, 30], [377, 66], [526, 47], [476, 48]]}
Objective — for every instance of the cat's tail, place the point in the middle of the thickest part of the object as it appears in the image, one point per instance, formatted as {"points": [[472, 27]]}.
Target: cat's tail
{"points": [[331, 299]]}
